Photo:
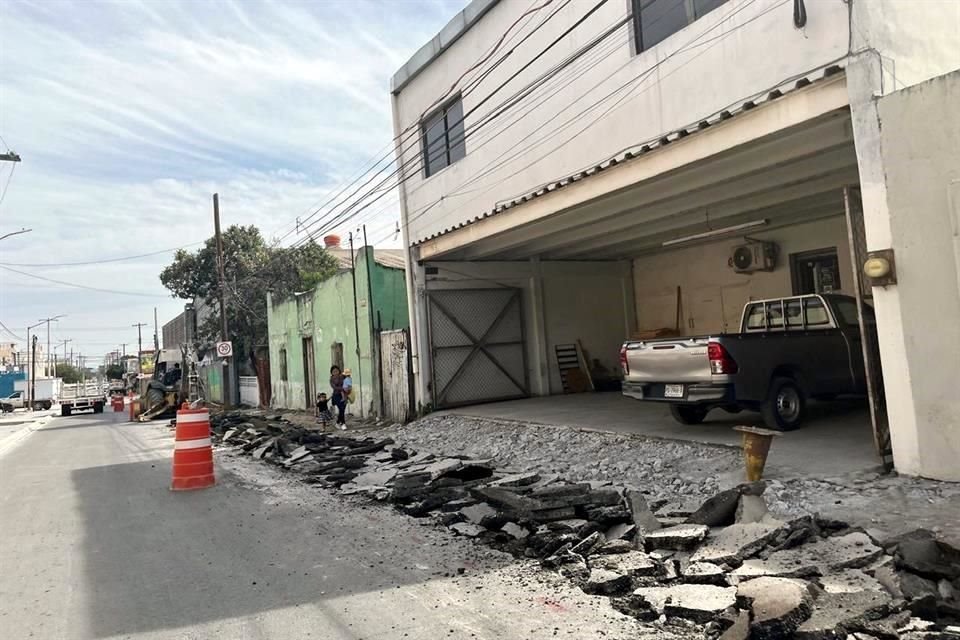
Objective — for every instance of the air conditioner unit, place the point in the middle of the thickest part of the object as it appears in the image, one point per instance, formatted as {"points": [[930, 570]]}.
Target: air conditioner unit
{"points": [[754, 256]]}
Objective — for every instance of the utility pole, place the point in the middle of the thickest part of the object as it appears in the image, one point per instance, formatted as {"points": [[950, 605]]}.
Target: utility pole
{"points": [[48, 321], [226, 386], [64, 355], [33, 373], [139, 325], [123, 345], [156, 336]]}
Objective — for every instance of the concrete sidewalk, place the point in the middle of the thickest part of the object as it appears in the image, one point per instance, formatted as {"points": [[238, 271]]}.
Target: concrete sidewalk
{"points": [[836, 438]]}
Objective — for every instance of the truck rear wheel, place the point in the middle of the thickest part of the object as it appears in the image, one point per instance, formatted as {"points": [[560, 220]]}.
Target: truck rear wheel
{"points": [[98, 407], [688, 413], [785, 406], [65, 410]]}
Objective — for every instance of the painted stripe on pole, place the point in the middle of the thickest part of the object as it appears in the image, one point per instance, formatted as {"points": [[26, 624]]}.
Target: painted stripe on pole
{"points": [[192, 444], [193, 417]]}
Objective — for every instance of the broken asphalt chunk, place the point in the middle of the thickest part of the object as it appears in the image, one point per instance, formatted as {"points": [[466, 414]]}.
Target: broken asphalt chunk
{"points": [[779, 606], [606, 582], [836, 614], [697, 602], [684, 536], [734, 544]]}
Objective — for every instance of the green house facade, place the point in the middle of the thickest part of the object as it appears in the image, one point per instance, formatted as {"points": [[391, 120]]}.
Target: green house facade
{"points": [[337, 322]]}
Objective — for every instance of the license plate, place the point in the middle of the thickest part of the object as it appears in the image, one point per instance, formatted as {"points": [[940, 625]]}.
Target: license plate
{"points": [[673, 391]]}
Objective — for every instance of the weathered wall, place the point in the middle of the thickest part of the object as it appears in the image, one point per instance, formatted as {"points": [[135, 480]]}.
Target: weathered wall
{"points": [[712, 293], [326, 315], [920, 320]]}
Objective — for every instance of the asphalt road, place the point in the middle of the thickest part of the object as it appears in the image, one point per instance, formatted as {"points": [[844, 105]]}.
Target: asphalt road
{"points": [[94, 545]]}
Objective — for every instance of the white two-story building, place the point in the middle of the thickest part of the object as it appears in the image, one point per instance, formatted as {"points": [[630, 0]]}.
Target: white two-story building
{"points": [[583, 170]]}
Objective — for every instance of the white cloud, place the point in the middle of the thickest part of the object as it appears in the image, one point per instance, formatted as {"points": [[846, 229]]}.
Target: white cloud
{"points": [[129, 115]]}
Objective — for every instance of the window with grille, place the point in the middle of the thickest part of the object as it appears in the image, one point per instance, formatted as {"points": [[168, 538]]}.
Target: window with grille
{"points": [[443, 137], [657, 20]]}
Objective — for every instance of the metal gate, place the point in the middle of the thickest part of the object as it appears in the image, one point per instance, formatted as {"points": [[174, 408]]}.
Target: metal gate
{"points": [[871, 344], [477, 346], [396, 375]]}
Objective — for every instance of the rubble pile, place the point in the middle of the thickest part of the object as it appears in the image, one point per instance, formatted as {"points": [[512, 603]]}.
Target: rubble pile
{"points": [[724, 568]]}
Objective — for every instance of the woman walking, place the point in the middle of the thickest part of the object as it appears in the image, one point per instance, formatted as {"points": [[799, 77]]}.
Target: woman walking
{"points": [[338, 397]]}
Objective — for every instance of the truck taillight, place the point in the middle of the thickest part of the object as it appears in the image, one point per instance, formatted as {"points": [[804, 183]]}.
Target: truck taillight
{"points": [[623, 360], [720, 359]]}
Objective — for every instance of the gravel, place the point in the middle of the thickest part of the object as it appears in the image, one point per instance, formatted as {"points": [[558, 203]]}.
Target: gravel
{"points": [[683, 470]]}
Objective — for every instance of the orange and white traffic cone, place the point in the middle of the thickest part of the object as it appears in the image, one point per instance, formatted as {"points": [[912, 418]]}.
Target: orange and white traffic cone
{"points": [[192, 451]]}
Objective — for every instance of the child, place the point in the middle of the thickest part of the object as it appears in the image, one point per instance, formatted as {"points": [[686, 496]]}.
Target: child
{"points": [[348, 384], [324, 417]]}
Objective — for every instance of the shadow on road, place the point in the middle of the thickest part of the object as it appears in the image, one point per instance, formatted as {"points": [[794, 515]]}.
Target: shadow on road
{"points": [[155, 559]]}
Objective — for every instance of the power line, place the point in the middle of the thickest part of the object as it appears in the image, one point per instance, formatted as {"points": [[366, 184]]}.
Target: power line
{"points": [[104, 261], [13, 167], [498, 162], [403, 137], [508, 103], [9, 331], [496, 112], [82, 286]]}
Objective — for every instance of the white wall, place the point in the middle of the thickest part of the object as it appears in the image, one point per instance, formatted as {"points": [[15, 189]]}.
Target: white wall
{"points": [[562, 302], [739, 56], [712, 293], [919, 318], [912, 41]]}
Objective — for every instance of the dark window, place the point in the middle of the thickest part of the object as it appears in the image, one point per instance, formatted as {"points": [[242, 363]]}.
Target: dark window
{"points": [[283, 365], [816, 313], [847, 310], [815, 272], [443, 137], [657, 20]]}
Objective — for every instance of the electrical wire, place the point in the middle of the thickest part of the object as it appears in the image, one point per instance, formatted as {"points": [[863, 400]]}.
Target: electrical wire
{"points": [[496, 112], [518, 96], [4, 327], [83, 286], [389, 149], [499, 162], [3, 194], [104, 261], [416, 140]]}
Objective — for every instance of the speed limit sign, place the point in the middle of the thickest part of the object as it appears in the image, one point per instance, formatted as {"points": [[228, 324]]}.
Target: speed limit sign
{"points": [[225, 349]]}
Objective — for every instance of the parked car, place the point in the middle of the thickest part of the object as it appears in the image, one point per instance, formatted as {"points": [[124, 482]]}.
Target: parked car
{"points": [[788, 350]]}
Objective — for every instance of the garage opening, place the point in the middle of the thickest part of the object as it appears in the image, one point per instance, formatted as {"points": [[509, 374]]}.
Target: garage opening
{"points": [[683, 254]]}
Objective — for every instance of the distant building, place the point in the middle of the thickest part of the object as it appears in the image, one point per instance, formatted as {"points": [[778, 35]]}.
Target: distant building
{"points": [[17, 357]]}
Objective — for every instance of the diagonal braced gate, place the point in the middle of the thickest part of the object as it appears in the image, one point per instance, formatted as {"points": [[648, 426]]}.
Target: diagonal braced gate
{"points": [[477, 346]]}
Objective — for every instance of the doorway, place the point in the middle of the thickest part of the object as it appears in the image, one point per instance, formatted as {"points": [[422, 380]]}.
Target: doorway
{"points": [[309, 372], [815, 272]]}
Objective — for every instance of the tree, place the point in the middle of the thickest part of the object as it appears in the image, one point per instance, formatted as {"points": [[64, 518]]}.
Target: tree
{"points": [[113, 372], [68, 373], [251, 269]]}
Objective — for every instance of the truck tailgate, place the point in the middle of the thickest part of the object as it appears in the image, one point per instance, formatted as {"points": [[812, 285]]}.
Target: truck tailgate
{"points": [[668, 360]]}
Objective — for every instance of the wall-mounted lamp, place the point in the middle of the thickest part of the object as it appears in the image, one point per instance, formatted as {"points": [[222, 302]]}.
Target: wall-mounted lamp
{"points": [[880, 268]]}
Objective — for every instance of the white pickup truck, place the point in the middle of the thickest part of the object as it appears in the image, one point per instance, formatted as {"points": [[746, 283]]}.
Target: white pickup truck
{"points": [[787, 350], [16, 400], [81, 396]]}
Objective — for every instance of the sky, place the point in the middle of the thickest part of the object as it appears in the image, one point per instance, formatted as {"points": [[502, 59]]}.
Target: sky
{"points": [[129, 115]]}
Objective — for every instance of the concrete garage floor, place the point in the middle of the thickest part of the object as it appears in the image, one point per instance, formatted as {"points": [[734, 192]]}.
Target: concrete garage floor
{"points": [[835, 439]]}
